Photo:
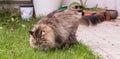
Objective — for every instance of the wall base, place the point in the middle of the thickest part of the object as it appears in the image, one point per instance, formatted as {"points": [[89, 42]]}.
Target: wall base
{"points": [[118, 17]]}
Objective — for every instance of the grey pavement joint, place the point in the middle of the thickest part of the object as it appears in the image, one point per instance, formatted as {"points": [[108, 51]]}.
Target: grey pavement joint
{"points": [[103, 38]]}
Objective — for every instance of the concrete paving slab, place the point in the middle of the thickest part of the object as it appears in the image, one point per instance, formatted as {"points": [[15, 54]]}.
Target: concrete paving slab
{"points": [[103, 53], [117, 56], [112, 50], [103, 38]]}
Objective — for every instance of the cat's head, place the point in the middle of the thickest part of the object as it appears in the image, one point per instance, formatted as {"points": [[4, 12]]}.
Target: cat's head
{"points": [[42, 36]]}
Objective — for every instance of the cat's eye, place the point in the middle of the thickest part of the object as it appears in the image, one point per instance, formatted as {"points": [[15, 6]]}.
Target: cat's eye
{"points": [[43, 33]]}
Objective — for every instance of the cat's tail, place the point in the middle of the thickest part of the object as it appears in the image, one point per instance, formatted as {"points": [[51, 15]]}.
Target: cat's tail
{"points": [[93, 19]]}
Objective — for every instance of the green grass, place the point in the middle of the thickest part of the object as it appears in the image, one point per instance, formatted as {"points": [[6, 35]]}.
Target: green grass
{"points": [[14, 44]]}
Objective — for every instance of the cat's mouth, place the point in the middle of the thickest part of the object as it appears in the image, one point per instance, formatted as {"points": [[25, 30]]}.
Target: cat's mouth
{"points": [[44, 46]]}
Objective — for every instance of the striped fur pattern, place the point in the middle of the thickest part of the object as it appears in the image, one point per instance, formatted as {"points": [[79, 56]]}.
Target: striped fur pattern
{"points": [[58, 29], [94, 19]]}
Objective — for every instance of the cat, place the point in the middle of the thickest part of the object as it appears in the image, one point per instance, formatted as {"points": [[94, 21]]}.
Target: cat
{"points": [[58, 29]]}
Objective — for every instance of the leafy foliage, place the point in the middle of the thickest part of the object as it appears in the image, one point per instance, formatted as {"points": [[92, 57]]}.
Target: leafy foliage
{"points": [[8, 14]]}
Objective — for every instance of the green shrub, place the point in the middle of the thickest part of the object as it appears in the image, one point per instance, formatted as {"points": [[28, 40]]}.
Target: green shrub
{"points": [[9, 14]]}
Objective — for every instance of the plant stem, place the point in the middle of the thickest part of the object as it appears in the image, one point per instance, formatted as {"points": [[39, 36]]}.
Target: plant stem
{"points": [[81, 2]]}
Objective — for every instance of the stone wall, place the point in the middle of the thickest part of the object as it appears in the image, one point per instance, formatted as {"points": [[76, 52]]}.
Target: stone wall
{"points": [[15, 3]]}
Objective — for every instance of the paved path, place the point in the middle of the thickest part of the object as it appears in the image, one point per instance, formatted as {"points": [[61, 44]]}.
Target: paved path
{"points": [[103, 39]]}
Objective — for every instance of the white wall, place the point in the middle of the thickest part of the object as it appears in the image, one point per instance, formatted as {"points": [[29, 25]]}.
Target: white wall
{"points": [[118, 6], [67, 2], [111, 4]]}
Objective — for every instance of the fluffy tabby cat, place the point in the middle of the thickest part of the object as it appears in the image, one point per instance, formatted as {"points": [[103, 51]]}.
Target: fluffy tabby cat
{"points": [[58, 29]]}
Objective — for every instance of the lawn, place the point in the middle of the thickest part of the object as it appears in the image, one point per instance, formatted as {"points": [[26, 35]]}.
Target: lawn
{"points": [[14, 44]]}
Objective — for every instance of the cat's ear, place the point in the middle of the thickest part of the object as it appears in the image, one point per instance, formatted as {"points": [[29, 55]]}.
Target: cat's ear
{"points": [[31, 32]]}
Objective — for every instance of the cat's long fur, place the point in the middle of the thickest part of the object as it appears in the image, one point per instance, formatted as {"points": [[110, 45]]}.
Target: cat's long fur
{"points": [[58, 29]]}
